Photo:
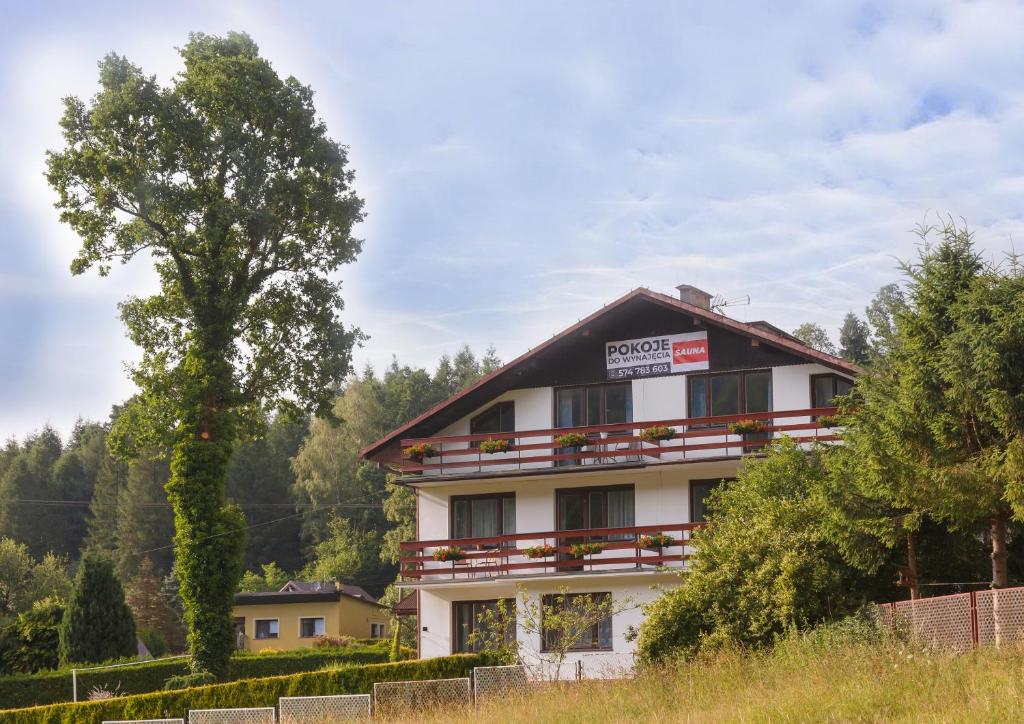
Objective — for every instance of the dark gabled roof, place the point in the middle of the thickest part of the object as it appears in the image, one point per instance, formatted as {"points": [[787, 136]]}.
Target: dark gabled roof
{"points": [[407, 606], [305, 592], [317, 586], [764, 333]]}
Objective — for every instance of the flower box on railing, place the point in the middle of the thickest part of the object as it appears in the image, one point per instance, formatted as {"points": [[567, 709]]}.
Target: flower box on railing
{"points": [[542, 551], [572, 440], [419, 451], [490, 447], [747, 427], [657, 433], [579, 550], [656, 540], [453, 553]]}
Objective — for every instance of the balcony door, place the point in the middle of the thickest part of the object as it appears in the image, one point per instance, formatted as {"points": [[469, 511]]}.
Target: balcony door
{"points": [[592, 405], [586, 508]]}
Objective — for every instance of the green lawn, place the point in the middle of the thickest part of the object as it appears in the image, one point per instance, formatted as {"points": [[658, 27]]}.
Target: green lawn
{"points": [[796, 683]]}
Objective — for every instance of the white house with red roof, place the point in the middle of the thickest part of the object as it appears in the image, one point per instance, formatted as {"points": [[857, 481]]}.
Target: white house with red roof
{"points": [[585, 463]]}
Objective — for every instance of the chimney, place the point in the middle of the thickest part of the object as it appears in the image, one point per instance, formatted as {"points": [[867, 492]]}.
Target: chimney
{"points": [[692, 295]]}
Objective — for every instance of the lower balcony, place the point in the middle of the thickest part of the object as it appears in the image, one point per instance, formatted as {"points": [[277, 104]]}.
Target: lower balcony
{"points": [[630, 549]]}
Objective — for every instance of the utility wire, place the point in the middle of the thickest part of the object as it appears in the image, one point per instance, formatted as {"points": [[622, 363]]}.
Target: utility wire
{"points": [[88, 503]]}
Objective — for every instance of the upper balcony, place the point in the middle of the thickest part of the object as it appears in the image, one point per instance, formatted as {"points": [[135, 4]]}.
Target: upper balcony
{"points": [[695, 439]]}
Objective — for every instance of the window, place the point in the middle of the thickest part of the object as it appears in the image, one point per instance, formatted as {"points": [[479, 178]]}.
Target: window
{"points": [[825, 389], [497, 418], [378, 630], [699, 491], [483, 516], [594, 405], [597, 638], [581, 508], [265, 628], [310, 627], [733, 393], [466, 621]]}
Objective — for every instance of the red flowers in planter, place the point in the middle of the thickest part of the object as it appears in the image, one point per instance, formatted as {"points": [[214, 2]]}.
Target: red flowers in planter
{"points": [[744, 427], [449, 554], [419, 451], [657, 433]]}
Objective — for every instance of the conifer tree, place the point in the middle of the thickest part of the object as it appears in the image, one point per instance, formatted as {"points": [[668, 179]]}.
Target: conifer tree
{"points": [[97, 623]]}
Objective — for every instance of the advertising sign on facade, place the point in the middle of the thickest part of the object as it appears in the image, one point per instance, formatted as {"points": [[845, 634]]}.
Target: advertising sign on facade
{"points": [[651, 356]]}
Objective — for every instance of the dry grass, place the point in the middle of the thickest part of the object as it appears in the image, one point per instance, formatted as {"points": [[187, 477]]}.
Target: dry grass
{"points": [[798, 682]]}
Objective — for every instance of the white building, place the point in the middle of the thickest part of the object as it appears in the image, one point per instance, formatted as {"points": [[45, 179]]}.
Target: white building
{"points": [[643, 361]]}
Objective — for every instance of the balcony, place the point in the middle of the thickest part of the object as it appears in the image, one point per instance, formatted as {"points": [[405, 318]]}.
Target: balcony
{"points": [[621, 550], [617, 443]]}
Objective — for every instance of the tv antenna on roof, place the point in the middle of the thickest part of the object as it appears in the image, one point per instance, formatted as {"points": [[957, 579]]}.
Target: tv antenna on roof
{"points": [[720, 302]]}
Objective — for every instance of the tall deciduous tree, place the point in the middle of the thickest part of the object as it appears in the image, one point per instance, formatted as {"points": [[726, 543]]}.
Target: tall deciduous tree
{"points": [[814, 336], [230, 184]]}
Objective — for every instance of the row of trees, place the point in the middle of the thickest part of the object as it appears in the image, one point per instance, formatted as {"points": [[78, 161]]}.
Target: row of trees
{"points": [[929, 477]]}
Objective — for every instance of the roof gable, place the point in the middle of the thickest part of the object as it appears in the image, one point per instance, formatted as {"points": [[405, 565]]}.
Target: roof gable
{"points": [[575, 356]]}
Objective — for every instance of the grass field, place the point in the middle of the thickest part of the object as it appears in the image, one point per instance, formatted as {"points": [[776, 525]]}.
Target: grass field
{"points": [[816, 678]]}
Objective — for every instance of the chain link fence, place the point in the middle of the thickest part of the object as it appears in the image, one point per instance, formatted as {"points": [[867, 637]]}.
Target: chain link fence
{"points": [[500, 681], [144, 721], [961, 621], [262, 715], [392, 698], [323, 709]]}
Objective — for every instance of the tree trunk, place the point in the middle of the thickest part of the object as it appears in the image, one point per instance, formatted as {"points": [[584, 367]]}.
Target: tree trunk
{"points": [[915, 587], [209, 535], [1000, 576]]}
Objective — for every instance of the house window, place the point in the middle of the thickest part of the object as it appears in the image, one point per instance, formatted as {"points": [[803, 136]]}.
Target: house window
{"points": [[825, 389], [311, 626], [265, 628], [597, 637], [732, 393], [378, 630], [594, 405], [483, 516], [466, 621], [582, 508], [699, 492], [495, 419]]}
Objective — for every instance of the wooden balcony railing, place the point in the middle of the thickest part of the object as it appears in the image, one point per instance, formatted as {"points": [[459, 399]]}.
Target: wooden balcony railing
{"points": [[616, 443], [502, 555]]}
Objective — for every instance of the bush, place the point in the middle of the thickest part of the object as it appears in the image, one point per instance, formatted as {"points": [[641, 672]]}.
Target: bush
{"points": [[55, 686], [97, 623], [187, 681], [765, 564], [30, 641], [337, 642], [250, 692]]}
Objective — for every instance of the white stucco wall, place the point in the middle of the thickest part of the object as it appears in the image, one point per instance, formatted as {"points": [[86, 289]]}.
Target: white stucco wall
{"points": [[627, 593]]}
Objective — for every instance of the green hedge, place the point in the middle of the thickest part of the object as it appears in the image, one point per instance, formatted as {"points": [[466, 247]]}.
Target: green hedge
{"points": [[346, 679], [55, 686]]}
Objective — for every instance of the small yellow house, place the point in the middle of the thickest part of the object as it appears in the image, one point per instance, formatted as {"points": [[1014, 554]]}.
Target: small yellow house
{"points": [[295, 616]]}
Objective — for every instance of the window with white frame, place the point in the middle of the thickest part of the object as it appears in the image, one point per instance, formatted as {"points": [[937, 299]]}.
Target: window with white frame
{"points": [[265, 628], [378, 630], [311, 626]]}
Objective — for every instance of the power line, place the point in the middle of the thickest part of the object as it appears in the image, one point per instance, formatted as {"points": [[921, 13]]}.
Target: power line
{"points": [[87, 503]]}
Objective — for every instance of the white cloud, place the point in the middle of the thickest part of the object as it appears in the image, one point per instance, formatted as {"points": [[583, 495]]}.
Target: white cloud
{"points": [[524, 164]]}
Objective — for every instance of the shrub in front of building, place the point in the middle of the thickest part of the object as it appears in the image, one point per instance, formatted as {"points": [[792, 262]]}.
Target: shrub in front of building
{"points": [[48, 687], [261, 692]]}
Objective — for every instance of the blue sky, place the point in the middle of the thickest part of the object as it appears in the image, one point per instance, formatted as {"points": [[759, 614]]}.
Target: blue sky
{"points": [[525, 163]]}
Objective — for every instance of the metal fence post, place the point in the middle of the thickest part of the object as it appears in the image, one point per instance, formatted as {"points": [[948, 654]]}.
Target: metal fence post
{"points": [[974, 619], [74, 685]]}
